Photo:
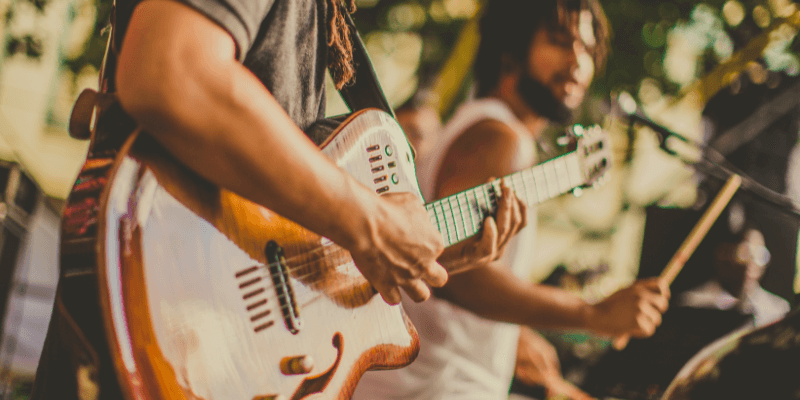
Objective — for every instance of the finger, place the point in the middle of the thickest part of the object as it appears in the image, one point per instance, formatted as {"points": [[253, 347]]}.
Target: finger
{"points": [[570, 391], [514, 223], [488, 243], [620, 342], [653, 314], [554, 359], [523, 211], [417, 290], [435, 275], [644, 326], [503, 217], [647, 318], [663, 285], [552, 364], [657, 285], [658, 301], [391, 295], [516, 217]]}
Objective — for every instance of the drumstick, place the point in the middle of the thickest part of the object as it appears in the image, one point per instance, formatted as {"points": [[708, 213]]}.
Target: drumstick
{"points": [[693, 240]]}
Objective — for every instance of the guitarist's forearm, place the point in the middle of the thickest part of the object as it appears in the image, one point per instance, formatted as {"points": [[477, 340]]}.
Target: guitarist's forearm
{"points": [[221, 122], [493, 292]]}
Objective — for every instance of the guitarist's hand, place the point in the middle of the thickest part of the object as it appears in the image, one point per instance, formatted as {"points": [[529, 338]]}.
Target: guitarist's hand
{"points": [[400, 250], [512, 216]]}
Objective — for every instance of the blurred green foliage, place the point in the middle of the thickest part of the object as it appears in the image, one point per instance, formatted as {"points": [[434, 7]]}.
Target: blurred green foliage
{"points": [[640, 43]]}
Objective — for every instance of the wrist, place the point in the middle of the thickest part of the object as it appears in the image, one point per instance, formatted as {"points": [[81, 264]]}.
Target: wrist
{"points": [[590, 317], [357, 219]]}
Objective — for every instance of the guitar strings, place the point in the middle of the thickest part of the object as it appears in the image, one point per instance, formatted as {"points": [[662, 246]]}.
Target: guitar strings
{"points": [[346, 263], [312, 295]]}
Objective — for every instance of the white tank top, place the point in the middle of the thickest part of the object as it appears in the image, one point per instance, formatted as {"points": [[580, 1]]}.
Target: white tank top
{"points": [[462, 356]]}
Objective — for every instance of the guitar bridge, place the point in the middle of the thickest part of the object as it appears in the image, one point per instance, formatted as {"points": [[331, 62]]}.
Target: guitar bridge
{"points": [[283, 287]]}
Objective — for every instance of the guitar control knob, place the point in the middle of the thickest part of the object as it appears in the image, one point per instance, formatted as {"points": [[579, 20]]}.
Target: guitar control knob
{"points": [[297, 365]]}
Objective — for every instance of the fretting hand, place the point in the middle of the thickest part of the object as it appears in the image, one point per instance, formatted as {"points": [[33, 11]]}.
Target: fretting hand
{"points": [[511, 217]]}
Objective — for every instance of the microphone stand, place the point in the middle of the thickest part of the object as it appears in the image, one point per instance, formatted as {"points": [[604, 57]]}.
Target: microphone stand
{"points": [[711, 164]]}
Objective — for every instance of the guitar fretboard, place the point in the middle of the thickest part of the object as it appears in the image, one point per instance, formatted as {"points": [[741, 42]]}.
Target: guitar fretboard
{"points": [[460, 216]]}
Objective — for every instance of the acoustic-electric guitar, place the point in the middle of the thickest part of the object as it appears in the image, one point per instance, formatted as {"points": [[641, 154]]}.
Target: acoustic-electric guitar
{"points": [[206, 295]]}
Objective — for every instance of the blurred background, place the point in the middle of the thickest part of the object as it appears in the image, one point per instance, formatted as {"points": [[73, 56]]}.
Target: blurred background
{"points": [[701, 69]]}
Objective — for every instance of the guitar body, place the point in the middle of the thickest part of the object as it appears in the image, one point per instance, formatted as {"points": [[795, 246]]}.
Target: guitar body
{"points": [[208, 296]]}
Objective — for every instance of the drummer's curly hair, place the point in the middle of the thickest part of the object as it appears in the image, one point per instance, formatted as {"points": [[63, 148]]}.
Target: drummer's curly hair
{"points": [[340, 45]]}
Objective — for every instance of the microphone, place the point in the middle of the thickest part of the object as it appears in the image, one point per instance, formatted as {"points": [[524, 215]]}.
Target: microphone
{"points": [[710, 162], [635, 114]]}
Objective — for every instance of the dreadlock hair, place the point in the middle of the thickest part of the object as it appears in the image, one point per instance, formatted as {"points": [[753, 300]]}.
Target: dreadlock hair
{"points": [[340, 47], [507, 28]]}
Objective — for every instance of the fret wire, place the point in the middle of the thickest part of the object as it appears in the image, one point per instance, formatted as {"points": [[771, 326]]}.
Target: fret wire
{"points": [[475, 226], [452, 228], [493, 198], [552, 179], [510, 178], [515, 179], [480, 198], [574, 170], [541, 184], [461, 214], [455, 219], [468, 229], [524, 187], [561, 173], [448, 241], [436, 215], [486, 199], [473, 212], [530, 187]]}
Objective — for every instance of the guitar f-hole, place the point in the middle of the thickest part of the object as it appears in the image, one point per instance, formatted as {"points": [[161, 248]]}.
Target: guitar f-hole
{"points": [[318, 383]]}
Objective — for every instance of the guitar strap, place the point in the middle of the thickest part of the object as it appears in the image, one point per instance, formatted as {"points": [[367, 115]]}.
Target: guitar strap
{"points": [[366, 92]]}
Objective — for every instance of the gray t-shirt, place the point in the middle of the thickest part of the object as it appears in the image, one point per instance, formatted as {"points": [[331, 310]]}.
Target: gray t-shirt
{"points": [[283, 42]]}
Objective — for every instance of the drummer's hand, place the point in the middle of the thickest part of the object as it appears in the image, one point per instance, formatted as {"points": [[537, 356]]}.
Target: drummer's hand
{"points": [[537, 365], [632, 311]]}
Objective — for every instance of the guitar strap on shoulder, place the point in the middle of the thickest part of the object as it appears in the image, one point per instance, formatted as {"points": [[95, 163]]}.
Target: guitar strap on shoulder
{"points": [[95, 110], [366, 92]]}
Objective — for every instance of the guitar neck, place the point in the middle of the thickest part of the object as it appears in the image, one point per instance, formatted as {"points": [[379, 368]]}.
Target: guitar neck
{"points": [[460, 216]]}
